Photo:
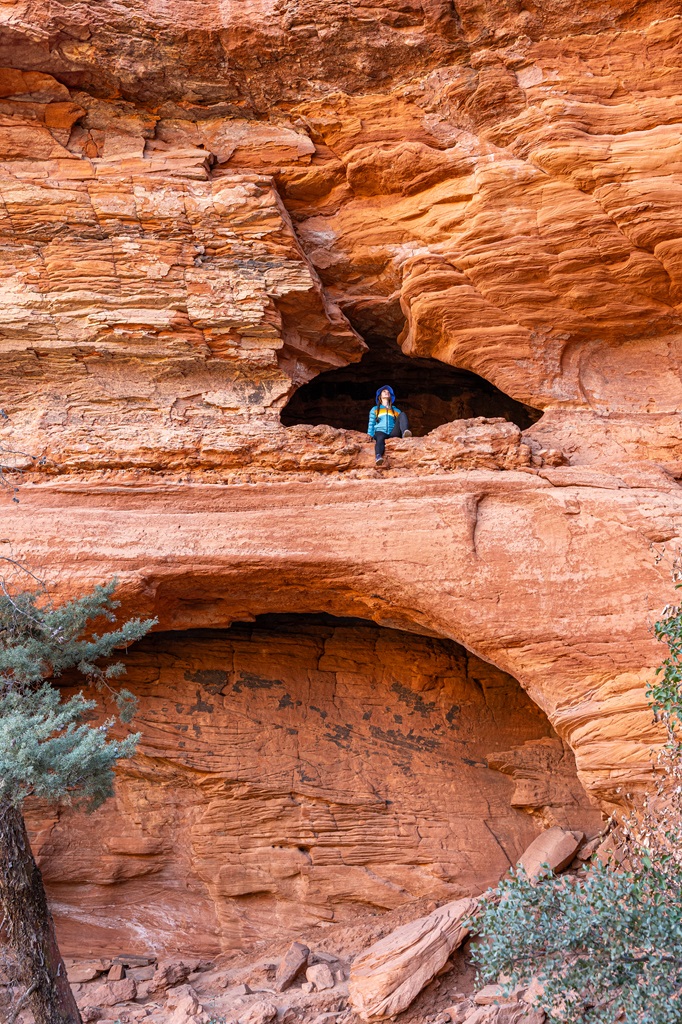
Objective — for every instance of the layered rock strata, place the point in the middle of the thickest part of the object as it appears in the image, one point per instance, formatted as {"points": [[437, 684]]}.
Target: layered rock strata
{"points": [[298, 772], [204, 206]]}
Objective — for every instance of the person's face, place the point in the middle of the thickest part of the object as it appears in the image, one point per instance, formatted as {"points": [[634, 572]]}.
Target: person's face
{"points": [[385, 396]]}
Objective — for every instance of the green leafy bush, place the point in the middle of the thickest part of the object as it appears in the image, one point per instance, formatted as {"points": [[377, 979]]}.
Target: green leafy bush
{"points": [[605, 945]]}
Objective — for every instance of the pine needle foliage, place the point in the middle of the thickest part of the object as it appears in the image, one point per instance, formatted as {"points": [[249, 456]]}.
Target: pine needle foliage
{"points": [[605, 945], [47, 747]]}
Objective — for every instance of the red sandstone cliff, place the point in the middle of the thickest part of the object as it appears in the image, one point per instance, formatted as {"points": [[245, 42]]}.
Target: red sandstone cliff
{"points": [[205, 206]]}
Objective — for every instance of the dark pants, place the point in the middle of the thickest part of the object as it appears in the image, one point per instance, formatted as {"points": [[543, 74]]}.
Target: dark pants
{"points": [[399, 428]]}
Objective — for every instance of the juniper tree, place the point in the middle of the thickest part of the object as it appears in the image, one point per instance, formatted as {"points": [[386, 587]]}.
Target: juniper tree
{"points": [[606, 945], [48, 750]]}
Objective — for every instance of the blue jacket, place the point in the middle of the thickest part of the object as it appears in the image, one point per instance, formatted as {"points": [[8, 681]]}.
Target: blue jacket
{"points": [[381, 418]]}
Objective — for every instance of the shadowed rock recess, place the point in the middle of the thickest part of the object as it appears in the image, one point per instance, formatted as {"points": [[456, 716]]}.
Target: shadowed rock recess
{"points": [[301, 770], [221, 222]]}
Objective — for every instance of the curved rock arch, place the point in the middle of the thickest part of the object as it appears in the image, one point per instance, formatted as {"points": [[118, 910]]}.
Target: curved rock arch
{"points": [[553, 580]]}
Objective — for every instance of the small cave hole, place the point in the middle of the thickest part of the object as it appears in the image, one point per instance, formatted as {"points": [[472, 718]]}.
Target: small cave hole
{"points": [[430, 392]]}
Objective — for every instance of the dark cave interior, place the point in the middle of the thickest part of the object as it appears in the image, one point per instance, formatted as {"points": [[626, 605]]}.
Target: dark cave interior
{"points": [[430, 392]]}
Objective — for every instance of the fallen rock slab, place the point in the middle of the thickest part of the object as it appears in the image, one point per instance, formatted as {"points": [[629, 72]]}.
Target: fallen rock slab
{"points": [[556, 848], [388, 976], [110, 993], [78, 974], [293, 961]]}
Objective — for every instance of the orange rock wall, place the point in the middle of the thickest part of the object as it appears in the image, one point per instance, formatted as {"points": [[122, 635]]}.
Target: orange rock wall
{"points": [[206, 205], [295, 773]]}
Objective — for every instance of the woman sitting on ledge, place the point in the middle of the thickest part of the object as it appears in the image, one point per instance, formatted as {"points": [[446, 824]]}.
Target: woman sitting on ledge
{"points": [[386, 420]]}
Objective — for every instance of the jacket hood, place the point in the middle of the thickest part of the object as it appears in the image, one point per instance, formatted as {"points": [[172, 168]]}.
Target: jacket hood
{"points": [[385, 387]]}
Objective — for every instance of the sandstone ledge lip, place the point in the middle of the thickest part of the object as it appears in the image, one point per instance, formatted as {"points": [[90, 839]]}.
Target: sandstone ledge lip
{"points": [[216, 495]]}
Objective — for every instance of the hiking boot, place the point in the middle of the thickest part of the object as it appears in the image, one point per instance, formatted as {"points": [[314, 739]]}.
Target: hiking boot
{"points": [[379, 461], [408, 433]]}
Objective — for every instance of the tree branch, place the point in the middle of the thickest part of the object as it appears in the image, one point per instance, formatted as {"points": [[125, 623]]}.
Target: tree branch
{"points": [[26, 996]]}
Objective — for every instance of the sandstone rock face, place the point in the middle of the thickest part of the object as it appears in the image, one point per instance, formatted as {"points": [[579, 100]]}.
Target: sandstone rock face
{"points": [[203, 207], [291, 775], [498, 187]]}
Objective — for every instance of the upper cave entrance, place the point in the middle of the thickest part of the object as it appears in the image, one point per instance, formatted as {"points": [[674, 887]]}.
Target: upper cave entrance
{"points": [[430, 392]]}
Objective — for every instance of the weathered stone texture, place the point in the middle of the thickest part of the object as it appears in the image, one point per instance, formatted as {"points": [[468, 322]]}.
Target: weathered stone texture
{"points": [[204, 205], [290, 774]]}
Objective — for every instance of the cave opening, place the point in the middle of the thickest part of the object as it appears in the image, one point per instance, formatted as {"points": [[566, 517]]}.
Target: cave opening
{"points": [[429, 391], [303, 768]]}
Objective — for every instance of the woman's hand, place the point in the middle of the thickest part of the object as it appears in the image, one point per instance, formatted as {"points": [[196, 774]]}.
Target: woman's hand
{"points": [[369, 437]]}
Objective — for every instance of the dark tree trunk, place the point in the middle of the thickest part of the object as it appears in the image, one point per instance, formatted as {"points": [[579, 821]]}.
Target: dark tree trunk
{"points": [[29, 927]]}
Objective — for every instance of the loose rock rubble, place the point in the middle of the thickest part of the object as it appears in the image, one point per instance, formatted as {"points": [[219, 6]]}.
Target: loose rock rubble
{"points": [[416, 970]]}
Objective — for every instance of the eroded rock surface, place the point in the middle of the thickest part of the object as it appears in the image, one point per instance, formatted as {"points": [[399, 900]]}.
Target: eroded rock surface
{"points": [[292, 774], [206, 205]]}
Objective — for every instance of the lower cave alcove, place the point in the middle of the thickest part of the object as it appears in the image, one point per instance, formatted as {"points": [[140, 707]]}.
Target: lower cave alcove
{"points": [[429, 391], [299, 770]]}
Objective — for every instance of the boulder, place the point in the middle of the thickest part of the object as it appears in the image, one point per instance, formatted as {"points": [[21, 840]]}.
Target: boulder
{"points": [[110, 993], [555, 847], [479, 1015], [388, 976], [459, 1011], [320, 976], [590, 848], [168, 975], [140, 973], [144, 991], [323, 958], [260, 1012], [492, 994], [295, 958], [80, 973], [127, 960], [185, 1006], [117, 972], [89, 1014]]}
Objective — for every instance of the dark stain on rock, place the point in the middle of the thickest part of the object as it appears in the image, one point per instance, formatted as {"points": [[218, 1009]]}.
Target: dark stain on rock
{"points": [[398, 719], [475, 764], [411, 741], [367, 715], [213, 680], [253, 682], [201, 705], [415, 701], [340, 735], [321, 713], [452, 714]]}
